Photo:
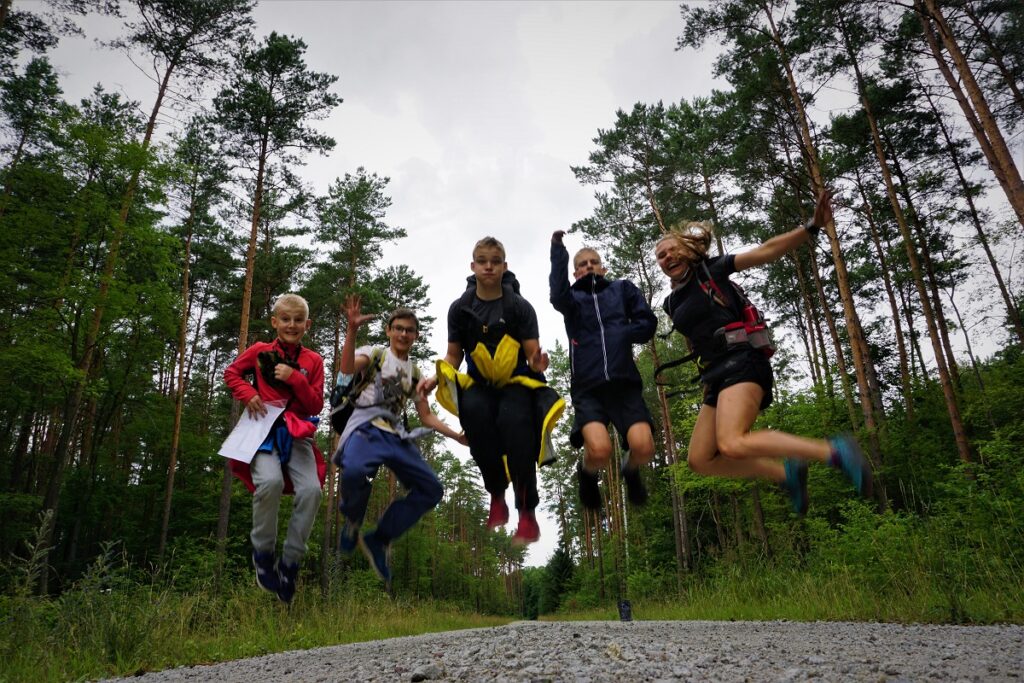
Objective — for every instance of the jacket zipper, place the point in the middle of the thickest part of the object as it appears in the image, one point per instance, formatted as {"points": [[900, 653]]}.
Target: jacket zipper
{"points": [[600, 324]]}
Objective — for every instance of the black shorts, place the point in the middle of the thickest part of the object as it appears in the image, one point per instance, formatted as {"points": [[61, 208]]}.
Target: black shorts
{"points": [[619, 402], [736, 368]]}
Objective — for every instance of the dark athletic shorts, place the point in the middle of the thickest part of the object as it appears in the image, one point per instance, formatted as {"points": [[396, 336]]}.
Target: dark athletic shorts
{"points": [[736, 368], [618, 402]]}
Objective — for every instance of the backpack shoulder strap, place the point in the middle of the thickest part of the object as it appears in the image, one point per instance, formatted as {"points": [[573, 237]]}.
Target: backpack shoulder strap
{"points": [[509, 310], [369, 372]]}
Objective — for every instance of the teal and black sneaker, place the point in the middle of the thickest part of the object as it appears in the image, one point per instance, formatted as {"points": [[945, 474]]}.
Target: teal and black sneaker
{"points": [[796, 485], [348, 539], [847, 456], [377, 554]]}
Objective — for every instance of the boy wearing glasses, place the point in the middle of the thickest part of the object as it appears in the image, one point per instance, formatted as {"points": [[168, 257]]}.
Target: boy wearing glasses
{"points": [[376, 435], [603, 319]]}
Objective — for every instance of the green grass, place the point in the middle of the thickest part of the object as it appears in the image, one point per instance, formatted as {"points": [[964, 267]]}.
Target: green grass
{"points": [[93, 634], [841, 594]]}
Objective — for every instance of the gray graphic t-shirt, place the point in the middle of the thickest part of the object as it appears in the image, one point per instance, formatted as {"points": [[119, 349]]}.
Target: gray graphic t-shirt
{"points": [[384, 400]]}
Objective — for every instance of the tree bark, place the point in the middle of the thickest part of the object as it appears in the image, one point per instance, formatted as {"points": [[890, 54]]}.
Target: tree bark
{"points": [[973, 104]]}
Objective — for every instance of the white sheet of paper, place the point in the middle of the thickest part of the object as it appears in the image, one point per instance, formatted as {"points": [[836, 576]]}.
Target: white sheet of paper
{"points": [[249, 433]]}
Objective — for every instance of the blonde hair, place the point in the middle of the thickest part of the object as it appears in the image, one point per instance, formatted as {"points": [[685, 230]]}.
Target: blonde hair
{"points": [[581, 251], [694, 236], [290, 300], [490, 243]]}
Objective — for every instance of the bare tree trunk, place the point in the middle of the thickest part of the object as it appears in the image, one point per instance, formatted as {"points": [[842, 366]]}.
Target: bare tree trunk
{"points": [[179, 396], [954, 157], [997, 56], [855, 331], [837, 347], [681, 533], [759, 527], [901, 345], [224, 507], [948, 391], [973, 103]]}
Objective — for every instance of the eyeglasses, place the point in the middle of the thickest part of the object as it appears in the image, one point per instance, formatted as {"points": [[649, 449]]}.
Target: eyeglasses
{"points": [[402, 329]]}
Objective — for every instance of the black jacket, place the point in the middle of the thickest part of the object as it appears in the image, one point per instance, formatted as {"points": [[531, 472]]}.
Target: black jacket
{"points": [[603, 320]]}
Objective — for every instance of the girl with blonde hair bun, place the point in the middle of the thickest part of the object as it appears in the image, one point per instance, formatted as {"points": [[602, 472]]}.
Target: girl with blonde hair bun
{"points": [[737, 377]]}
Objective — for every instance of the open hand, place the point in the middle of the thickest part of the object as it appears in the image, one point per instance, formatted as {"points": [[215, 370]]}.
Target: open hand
{"points": [[823, 209], [353, 306]]}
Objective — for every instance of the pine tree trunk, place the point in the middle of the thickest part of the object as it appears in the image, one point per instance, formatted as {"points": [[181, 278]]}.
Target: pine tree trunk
{"points": [[1012, 311], [952, 406], [837, 346], [179, 394], [681, 533], [901, 345], [855, 331], [996, 54], [973, 103]]}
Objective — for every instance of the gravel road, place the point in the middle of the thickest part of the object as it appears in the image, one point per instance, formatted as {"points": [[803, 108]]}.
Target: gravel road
{"points": [[649, 651]]}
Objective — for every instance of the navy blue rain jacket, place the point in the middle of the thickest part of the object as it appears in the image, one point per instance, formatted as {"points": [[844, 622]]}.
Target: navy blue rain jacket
{"points": [[603, 320]]}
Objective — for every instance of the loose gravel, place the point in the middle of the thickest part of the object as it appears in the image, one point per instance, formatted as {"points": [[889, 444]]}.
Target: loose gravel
{"points": [[649, 651]]}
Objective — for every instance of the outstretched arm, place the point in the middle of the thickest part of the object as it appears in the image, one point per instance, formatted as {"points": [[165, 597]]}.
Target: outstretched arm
{"points": [[558, 280], [429, 419], [349, 363], [776, 247], [453, 357]]}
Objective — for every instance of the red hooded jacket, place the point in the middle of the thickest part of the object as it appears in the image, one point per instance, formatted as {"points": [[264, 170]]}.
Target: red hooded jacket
{"points": [[304, 395]]}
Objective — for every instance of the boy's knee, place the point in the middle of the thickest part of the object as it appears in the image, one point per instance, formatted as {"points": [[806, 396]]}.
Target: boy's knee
{"points": [[353, 477], [310, 493], [598, 455], [270, 488], [434, 493]]}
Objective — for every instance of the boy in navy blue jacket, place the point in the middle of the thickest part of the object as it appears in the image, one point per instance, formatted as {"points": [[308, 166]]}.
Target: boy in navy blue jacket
{"points": [[603, 319]]}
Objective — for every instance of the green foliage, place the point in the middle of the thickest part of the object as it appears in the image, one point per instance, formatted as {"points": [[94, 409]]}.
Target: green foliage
{"points": [[115, 622]]}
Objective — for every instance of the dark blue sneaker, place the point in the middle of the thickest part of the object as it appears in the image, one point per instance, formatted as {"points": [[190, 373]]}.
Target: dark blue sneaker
{"points": [[377, 554], [796, 485], [847, 456], [266, 570], [635, 489], [590, 491], [348, 539], [289, 574]]}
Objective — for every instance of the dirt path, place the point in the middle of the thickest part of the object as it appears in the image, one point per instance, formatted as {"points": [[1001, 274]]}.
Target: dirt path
{"points": [[650, 651]]}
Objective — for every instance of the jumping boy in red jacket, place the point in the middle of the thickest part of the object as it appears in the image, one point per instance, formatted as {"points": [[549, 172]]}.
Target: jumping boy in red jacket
{"points": [[287, 460]]}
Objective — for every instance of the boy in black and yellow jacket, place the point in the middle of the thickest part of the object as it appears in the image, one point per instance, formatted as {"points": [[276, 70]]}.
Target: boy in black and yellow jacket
{"points": [[506, 408]]}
